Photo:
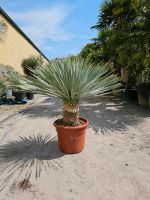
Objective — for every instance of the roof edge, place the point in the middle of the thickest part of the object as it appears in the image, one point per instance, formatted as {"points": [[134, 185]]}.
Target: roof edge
{"points": [[5, 15]]}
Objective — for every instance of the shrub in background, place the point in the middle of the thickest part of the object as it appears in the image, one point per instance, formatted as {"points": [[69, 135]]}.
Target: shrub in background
{"points": [[32, 62]]}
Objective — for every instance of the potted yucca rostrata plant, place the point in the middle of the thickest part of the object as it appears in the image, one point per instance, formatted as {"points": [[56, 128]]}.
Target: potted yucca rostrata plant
{"points": [[71, 79]]}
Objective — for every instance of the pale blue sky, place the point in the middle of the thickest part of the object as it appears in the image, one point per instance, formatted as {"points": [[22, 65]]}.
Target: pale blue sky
{"points": [[57, 27]]}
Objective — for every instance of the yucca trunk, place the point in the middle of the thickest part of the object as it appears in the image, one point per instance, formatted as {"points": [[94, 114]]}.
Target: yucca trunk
{"points": [[71, 115]]}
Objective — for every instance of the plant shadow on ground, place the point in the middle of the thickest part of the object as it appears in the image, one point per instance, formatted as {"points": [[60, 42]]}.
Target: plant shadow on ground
{"points": [[109, 116], [105, 115], [50, 107], [27, 157]]}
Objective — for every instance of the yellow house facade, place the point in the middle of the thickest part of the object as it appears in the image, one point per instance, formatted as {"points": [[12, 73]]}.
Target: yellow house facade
{"points": [[16, 45]]}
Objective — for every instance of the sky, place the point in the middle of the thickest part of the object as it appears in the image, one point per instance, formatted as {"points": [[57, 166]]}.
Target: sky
{"points": [[58, 27]]}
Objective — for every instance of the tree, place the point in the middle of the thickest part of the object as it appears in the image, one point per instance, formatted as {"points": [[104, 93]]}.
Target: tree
{"points": [[92, 52], [116, 14], [124, 27]]}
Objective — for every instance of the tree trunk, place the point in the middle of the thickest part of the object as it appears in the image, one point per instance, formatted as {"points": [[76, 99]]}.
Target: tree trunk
{"points": [[71, 115]]}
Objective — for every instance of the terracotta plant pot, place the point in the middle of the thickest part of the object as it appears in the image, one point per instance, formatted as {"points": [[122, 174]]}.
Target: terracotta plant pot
{"points": [[71, 140]]}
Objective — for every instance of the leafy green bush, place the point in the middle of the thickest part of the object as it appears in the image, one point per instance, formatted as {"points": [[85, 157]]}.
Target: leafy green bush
{"points": [[32, 62]]}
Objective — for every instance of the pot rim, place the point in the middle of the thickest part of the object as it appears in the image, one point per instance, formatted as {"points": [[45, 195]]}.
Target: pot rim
{"points": [[73, 127]]}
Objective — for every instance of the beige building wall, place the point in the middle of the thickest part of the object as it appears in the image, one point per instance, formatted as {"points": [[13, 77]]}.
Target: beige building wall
{"points": [[14, 48]]}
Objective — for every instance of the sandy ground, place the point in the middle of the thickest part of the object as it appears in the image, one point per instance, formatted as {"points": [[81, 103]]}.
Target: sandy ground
{"points": [[7, 111], [115, 164]]}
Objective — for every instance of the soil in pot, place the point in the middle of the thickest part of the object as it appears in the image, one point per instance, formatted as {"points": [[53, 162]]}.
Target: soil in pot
{"points": [[71, 140]]}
